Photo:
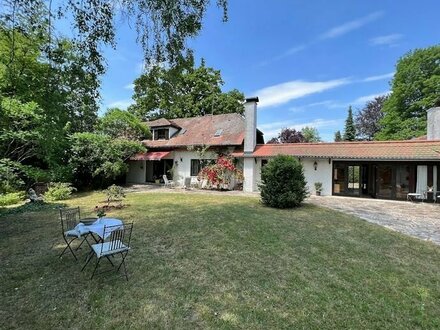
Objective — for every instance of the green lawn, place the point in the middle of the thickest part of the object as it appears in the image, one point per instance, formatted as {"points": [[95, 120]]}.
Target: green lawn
{"points": [[209, 261]]}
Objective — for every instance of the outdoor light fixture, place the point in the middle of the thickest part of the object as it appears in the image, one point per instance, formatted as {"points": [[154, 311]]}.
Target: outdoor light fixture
{"points": [[315, 165], [176, 162], [181, 160]]}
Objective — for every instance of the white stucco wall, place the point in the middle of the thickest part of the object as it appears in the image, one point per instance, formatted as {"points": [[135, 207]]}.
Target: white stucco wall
{"points": [[250, 175], [322, 174], [136, 171], [183, 167]]}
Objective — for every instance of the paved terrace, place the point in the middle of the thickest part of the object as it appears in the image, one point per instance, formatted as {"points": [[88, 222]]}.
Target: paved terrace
{"points": [[420, 220]]}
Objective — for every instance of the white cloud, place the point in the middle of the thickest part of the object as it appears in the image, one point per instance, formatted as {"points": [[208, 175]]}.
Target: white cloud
{"points": [[364, 99], [291, 90], [329, 34], [379, 77], [350, 26], [387, 40], [129, 86], [287, 53], [271, 130], [121, 104]]}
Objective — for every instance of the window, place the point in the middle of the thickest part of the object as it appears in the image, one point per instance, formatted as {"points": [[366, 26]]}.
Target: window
{"points": [[161, 134], [198, 164]]}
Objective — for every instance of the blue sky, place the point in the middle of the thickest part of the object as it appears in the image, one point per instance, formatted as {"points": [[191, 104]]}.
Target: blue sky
{"points": [[306, 60]]}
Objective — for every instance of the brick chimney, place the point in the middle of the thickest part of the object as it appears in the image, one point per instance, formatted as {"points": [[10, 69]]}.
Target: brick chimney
{"points": [[433, 124], [250, 115]]}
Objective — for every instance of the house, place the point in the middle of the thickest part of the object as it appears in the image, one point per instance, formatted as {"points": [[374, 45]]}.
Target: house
{"points": [[378, 169], [179, 148]]}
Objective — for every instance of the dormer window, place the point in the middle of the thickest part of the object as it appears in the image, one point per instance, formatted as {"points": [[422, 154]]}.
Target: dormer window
{"points": [[161, 134]]}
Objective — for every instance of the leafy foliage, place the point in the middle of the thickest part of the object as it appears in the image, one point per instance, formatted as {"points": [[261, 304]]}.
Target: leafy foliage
{"points": [[122, 124], [11, 198], [318, 187], [162, 26], [221, 174], [114, 193], [283, 184], [338, 136], [59, 191], [288, 135], [183, 91], [310, 134], [21, 129], [367, 121], [10, 180], [350, 129], [415, 89], [97, 159]]}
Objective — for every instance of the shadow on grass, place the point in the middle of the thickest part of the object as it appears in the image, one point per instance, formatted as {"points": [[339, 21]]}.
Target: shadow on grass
{"points": [[30, 207]]}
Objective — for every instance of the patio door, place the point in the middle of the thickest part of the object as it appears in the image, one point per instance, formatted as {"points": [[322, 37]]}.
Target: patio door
{"points": [[384, 181]]}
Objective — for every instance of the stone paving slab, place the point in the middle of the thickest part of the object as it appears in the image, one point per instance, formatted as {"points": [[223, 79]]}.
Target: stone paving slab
{"points": [[420, 220]]}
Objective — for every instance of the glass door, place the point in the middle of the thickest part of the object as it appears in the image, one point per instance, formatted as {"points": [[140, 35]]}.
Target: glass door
{"points": [[353, 185], [384, 181]]}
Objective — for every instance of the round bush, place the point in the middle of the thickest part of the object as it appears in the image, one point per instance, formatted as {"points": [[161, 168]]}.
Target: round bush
{"points": [[283, 184]]}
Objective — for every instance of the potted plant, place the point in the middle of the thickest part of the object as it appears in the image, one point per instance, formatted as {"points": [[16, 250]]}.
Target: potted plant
{"points": [[318, 188]]}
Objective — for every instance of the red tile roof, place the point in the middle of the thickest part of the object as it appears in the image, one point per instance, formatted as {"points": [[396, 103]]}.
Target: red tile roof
{"points": [[201, 131], [151, 155], [160, 123], [376, 150]]}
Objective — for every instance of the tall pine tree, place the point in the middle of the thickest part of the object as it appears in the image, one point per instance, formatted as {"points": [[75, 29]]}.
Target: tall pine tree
{"points": [[350, 129], [338, 136]]}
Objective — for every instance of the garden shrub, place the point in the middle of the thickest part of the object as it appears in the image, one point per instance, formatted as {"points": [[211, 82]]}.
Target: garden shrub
{"points": [[283, 184], [11, 198], [114, 193], [59, 191]]}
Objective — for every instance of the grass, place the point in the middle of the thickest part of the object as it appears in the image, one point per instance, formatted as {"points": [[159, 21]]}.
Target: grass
{"points": [[204, 261]]}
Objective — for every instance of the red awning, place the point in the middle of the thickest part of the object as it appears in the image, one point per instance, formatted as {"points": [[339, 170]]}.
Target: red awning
{"points": [[151, 155]]}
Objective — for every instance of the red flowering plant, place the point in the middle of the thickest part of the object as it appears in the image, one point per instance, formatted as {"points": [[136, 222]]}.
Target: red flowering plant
{"points": [[221, 174]]}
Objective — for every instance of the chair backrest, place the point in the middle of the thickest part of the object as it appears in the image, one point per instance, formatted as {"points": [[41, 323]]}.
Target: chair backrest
{"points": [[118, 236], [165, 179], [69, 218]]}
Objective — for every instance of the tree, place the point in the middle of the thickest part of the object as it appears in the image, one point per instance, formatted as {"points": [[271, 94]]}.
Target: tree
{"points": [[122, 124], [288, 135], [338, 136], [183, 91], [367, 121], [62, 87], [310, 134], [163, 26], [283, 184], [21, 129], [350, 129], [273, 140], [97, 159], [414, 89]]}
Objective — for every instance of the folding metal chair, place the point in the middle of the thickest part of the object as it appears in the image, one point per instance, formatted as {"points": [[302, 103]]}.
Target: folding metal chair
{"points": [[69, 220], [116, 241]]}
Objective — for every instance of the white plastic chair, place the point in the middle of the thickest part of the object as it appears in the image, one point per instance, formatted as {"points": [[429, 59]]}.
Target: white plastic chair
{"points": [[168, 183]]}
